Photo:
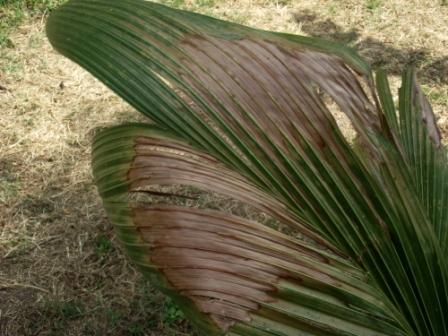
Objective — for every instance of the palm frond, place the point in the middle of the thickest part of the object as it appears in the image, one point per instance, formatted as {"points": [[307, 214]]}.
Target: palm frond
{"points": [[249, 104]]}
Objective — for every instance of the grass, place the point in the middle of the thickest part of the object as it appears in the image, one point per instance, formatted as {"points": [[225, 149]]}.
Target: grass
{"points": [[62, 270], [13, 12], [373, 4]]}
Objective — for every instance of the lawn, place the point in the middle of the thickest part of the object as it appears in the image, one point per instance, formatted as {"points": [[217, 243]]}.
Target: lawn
{"points": [[62, 271]]}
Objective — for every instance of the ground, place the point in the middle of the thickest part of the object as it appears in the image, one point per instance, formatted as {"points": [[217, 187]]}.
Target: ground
{"points": [[62, 271]]}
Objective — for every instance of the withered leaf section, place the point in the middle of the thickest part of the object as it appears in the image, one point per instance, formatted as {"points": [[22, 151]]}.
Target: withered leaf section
{"points": [[241, 276]]}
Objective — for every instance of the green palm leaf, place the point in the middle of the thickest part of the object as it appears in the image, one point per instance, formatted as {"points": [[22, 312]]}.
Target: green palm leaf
{"points": [[245, 113], [418, 139]]}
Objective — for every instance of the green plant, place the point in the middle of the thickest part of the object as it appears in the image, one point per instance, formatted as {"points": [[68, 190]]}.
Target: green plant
{"points": [[171, 312], [373, 4], [12, 13], [103, 245], [246, 114]]}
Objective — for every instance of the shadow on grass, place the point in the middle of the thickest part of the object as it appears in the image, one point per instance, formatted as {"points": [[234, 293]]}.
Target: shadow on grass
{"points": [[81, 284], [378, 53], [147, 312]]}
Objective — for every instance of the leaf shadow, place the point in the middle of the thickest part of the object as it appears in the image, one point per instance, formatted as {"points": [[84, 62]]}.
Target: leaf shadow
{"points": [[378, 53]]}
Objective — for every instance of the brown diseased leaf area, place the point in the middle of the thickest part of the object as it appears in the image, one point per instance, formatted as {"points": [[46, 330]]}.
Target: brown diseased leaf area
{"points": [[226, 265], [428, 117], [270, 93], [162, 163]]}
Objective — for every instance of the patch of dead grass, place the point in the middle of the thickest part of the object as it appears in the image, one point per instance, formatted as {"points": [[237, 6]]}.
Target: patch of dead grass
{"points": [[62, 272]]}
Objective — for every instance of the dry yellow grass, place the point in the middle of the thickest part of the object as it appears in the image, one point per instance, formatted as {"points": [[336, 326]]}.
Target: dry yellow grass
{"points": [[61, 270]]}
